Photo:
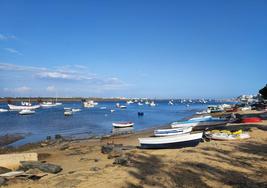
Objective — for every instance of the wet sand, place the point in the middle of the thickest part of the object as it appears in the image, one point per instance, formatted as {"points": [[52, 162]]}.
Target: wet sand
{"points": [[241, 163]]}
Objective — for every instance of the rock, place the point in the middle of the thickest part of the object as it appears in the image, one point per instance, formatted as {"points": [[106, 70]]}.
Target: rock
{"points": [[95, 169], [106, 149], [121, 161], [116, 152], [2, 181], [58, 136], [45, 167], [4, 170], [64, 147]]}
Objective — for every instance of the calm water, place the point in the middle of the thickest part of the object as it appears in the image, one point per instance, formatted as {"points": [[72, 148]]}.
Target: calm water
{"points": [[90, 121]]}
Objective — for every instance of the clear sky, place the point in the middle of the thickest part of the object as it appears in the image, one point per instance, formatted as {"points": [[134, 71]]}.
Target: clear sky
{"points": [[133, 48]]}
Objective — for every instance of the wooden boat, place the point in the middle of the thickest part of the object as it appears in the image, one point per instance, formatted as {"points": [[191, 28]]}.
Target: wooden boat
{"points": [[171, 132], [26, 112], [177, 141], [251, 120], [227, 135], [16, 107], [123, 124]]}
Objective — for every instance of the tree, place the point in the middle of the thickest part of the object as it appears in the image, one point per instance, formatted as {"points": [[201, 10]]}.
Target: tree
{"points": [[263, 92]]}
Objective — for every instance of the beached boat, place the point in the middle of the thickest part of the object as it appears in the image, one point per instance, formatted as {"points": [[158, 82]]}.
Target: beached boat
{"points": [[26, 112], [177, 141], [226, 135], [251, 120], [184, 124], [201, 122], [171, 132], [16, 107], [122, 124], [3, 110]]}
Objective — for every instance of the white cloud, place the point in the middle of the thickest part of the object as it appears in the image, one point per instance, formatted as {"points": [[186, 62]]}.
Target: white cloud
{"points": [[7, 37], [13, 51], [51, 88], [23, 89], [67, 72]]}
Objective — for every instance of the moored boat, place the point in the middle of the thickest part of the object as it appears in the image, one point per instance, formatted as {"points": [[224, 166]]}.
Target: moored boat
{"points": [[48, 104], [177, 141], [68, 112], [171, 132], [75, 110], [26, 112], [123, 124], [3, 110], [16, 107]]}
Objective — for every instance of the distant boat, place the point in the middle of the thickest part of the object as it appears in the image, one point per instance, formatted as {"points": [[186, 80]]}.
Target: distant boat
{"points": [[170, 103], [176, 141], [3, 110], [16, 107], [75, 110], [26, 103], [89, 104], [120, 106], [26, 112], [147, 102], [171, 132], [103, 108], [48, 104], [68, 112], [112, 110], [129, 102], [122, 124], [152, 103], [140, 104]]}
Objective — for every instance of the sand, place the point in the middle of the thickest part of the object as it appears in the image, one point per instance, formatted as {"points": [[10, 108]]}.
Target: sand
{"points": [[241, 163]]}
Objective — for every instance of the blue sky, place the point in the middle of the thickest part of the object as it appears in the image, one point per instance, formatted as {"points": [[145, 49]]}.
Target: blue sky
{"points": [[133, 48]]}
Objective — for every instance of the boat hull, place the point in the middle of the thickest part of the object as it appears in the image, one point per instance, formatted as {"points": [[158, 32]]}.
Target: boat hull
{"points": [[171, 132], [178, 141], [176, 145], [15, 107]]}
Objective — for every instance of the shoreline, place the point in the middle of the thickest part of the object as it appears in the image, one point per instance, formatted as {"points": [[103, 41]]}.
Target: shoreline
{"points": [[210, 164]]}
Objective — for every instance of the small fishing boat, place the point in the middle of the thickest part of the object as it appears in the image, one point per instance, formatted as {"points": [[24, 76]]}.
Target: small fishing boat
{"points": [[171, 132], [226, 135], [170, 102], [176, 141], [251, 120], [16, 107], [140, 104], [26, 112], [112, 110], [120, 106], [129, 102], [89, 103], [3, 110], [48, 104], [68, 112], [122, 124], [200, 118], [75, 110], [152, 103]]}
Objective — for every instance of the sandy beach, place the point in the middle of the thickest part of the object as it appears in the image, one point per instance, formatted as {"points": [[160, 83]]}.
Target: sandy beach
{"points": [[239, 163]]}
